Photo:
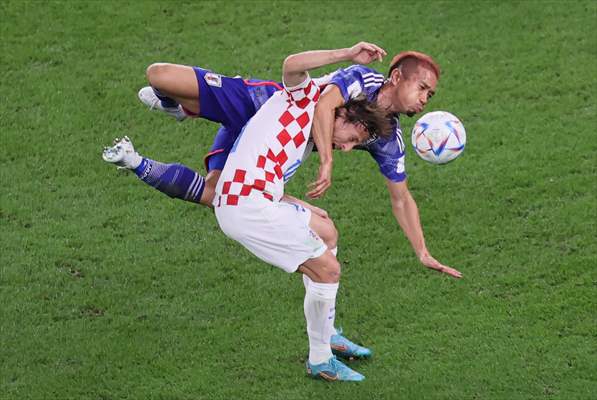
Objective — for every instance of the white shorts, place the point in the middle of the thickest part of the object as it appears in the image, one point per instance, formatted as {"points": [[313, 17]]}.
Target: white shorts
{"points": [[276, 232]]}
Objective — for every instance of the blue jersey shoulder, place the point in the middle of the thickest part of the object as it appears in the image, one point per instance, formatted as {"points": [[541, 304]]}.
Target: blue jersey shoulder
{"points": [[358, 79]]}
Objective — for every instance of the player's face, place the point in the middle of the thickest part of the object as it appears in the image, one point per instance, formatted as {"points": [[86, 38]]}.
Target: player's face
{"points": [[410, 96], [347, 135]]}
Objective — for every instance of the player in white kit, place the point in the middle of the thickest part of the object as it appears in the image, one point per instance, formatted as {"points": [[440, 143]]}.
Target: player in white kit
{"points": [[251, 207]]}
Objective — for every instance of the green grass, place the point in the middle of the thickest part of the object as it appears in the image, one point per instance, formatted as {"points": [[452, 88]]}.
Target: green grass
{"points": [[110, 290]]}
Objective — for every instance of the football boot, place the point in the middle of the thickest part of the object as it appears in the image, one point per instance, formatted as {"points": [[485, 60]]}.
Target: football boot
{"points": [[149, 98], [122, 154], [333, 370], [344, 348]]}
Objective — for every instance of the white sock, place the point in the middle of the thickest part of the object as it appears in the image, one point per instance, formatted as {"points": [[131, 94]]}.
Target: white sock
{"points": [[306, 282], [320, 311]]}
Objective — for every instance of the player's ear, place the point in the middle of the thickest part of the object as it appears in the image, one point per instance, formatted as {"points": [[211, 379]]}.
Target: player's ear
{"points": [[396, 76]]}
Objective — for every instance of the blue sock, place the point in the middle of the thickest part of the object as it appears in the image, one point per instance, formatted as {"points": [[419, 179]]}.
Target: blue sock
{"points": [[166, 101], [175, 180]]}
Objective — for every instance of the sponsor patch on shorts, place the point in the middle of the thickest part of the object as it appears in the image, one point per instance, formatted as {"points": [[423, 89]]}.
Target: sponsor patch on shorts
{"points": [[213, 79]]}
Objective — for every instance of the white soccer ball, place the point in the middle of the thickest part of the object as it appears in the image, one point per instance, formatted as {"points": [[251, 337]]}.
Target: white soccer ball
{"points": [[438, 137]]}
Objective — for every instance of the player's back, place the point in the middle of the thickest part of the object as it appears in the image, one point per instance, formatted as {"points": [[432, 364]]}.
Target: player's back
{"points": [[269, 147]]}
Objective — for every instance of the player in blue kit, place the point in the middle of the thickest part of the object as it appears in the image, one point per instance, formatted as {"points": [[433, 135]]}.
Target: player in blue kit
{"points": [[183, 91]]}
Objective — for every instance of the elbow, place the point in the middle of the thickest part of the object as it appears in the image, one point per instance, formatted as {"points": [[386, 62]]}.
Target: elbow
{"points": [[289, 64]]}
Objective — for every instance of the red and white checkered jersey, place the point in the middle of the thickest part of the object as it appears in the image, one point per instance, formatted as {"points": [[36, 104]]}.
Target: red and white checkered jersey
{"points": [[270, 147]]}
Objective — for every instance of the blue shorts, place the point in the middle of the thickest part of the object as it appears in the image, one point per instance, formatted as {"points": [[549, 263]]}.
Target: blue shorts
{"points": [[218, 153], [231, 102]]}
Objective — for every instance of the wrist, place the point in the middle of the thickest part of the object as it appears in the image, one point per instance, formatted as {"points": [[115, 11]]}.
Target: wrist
{"points": [[422, 253], [343, 54]]}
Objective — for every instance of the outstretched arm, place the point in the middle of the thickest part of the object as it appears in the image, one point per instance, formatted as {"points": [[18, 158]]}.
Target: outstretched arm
{"points": [[407, 214], [296, 66]]}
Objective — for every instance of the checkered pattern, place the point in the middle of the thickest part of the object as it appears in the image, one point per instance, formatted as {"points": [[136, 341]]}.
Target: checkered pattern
{"points": [[286, 140]]}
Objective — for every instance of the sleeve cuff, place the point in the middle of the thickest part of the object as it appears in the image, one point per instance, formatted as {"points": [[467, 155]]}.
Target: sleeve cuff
{"points": [[300, 86]]}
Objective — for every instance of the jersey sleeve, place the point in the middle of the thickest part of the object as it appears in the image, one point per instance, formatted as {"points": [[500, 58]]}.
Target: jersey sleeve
{"points": [[355, 80], [304, 93]]}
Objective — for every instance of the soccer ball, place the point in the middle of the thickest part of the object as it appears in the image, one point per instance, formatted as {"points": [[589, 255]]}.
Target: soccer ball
{"points": [[438, 137]]}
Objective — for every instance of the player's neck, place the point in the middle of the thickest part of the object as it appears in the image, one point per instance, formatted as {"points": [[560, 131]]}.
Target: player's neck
{"points": [[384, 100]]}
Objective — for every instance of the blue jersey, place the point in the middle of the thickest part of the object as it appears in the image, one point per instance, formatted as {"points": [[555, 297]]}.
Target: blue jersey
{"points": [[388, 153]]}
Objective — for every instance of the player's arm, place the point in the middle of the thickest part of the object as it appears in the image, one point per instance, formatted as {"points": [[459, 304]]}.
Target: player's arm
{"points": [[407, 214], [296, 66], [323, 128]]}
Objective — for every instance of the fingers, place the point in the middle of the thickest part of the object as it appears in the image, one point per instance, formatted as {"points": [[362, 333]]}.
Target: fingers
{"points": [[432, 263], [452, 272], [316, 193], [365, 52], [447, 270], [379, 52], [376, 51], [318, 188], [372, 48]]}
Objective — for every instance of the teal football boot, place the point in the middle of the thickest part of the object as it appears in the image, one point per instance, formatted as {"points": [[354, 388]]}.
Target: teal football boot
{"points": [[344, 348], [333, 370]]}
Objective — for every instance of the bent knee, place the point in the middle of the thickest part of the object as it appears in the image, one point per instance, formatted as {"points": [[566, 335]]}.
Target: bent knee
{"points": [[157, 72], [332, 271]]}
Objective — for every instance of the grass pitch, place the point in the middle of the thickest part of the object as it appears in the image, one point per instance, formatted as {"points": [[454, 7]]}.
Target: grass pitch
{"points": [[110, 290]]}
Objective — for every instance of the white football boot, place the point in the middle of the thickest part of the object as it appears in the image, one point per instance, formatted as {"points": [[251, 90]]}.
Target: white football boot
{"points": [[148, 97], [122, 154]]}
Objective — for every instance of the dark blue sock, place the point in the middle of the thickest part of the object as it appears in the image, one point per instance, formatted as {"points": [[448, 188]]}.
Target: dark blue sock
{"points": [[166, 101], [175, 180]]}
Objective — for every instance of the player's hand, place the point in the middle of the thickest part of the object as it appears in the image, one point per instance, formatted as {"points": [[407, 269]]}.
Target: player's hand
{"points": [[365, 53], [324, 181], [432, 263]]}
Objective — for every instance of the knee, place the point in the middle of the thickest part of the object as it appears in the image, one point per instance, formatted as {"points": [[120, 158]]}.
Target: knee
{"points": [[331, 272], [156, 73]]}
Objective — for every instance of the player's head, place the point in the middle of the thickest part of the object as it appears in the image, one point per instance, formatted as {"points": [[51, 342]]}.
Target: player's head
{"points": [[412, 79], [357, 121]]}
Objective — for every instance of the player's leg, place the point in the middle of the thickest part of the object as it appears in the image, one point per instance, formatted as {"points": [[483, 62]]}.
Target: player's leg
{"points": [[175, 84], [279, 233], [341, 346], [175, 180], [326, 230], [320, 311], [180, 90]]}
